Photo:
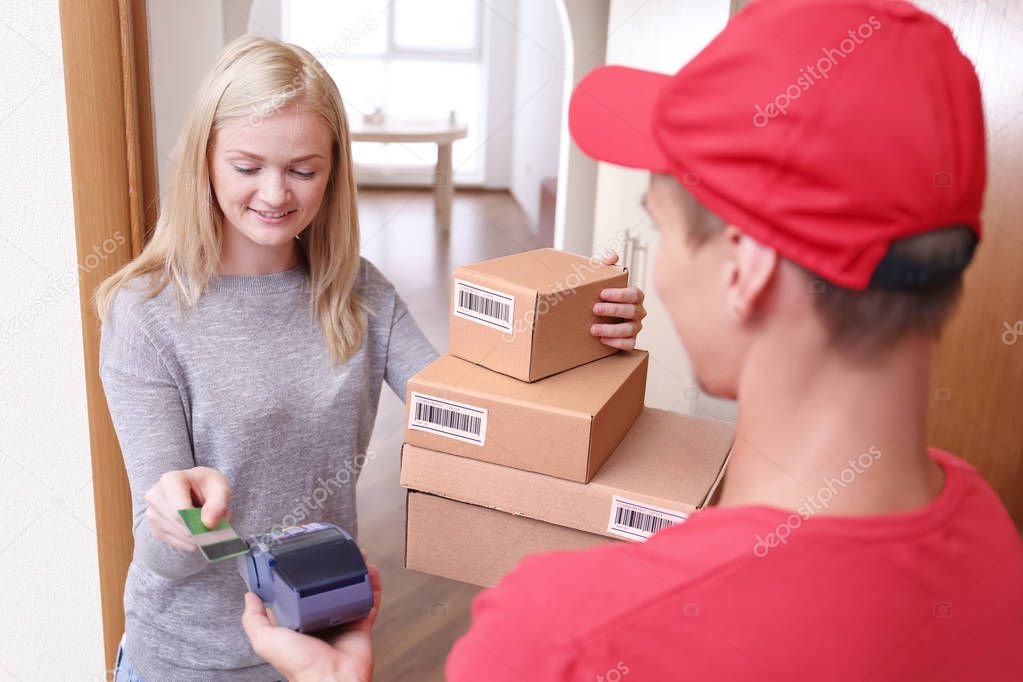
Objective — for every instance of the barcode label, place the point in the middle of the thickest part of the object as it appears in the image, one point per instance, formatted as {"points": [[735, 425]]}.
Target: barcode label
{"points": [[484, 306], [448, 418], [638, 521]]}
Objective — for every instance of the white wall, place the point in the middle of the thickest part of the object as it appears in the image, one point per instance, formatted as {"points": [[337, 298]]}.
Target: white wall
{"points": [[50, 619], [660, 35], [235, 19], [586, 34], [185, 38], [540, 80], [499, 62], [264, 19]]}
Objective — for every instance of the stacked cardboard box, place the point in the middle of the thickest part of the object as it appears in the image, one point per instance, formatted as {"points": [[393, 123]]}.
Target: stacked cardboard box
{"points": [[528, 315], [509, 439], [474, 521], [566, 425]]}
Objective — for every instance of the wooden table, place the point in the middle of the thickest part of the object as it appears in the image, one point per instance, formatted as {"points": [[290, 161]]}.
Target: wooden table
{"points": [[442, 132]]}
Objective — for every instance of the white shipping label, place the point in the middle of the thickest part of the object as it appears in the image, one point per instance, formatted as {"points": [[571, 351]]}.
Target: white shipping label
{"points": [[483, 305], [638, 521], [448, 418]]}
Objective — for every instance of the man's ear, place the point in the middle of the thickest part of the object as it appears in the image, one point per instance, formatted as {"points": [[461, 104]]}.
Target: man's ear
{"points": [[750, 267]]}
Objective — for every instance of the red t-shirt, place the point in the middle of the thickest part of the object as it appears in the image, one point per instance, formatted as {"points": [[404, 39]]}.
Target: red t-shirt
{"points": [[933, 594]]}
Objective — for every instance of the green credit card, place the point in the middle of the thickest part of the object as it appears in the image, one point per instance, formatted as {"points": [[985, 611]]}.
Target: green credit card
{"points": [[216, 544]]}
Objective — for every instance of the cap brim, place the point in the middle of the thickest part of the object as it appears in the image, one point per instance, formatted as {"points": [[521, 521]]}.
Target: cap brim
{"points": [[611, 116]]}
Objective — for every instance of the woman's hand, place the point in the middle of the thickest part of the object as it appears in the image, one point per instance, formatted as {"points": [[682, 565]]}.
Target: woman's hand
{"points": [[199, 486], [346, 656], [626, 303]]}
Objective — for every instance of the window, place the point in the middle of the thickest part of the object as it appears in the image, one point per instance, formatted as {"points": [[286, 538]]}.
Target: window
{"points": [[409, 58]]}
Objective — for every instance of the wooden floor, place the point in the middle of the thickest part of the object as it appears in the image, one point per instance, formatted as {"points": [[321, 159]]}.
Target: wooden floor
{"points": [[421, 615]]}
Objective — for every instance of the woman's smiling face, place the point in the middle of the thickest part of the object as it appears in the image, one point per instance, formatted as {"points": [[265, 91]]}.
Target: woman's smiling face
{"points": [[269, 180]]}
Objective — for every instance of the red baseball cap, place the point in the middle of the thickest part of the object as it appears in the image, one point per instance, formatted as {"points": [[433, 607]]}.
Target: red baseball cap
{"points": [[823, 128]]}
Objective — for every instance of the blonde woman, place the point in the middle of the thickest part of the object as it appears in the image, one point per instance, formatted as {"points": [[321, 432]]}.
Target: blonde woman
{"points": [[244, 350]]}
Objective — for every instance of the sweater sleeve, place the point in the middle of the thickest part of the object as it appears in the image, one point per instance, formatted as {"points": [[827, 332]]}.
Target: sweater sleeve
{"points": [[408, 351], [148, 414], [407, 348]]}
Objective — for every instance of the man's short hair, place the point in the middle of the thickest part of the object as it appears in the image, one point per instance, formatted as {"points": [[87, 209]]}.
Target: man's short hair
{"points": [[862, 322]]}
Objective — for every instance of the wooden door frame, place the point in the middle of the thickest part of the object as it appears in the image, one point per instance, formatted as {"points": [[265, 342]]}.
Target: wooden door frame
{"points": [[105, 46]]}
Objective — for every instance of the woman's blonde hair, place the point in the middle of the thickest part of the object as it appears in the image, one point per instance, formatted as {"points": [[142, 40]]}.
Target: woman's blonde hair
{"points": [[254, 78]]}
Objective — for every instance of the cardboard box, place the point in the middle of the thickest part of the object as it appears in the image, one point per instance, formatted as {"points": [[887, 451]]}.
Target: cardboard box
{"points": [[528, 315], [566, 425], [668, 466], [478, 545]]}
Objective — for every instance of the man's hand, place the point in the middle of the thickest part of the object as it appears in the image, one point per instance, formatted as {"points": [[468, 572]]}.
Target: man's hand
{"points": [[626, 303], [346, 656]]}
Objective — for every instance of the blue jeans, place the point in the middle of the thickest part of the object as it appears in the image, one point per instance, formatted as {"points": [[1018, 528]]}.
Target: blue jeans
{"points": [[123, 670]]}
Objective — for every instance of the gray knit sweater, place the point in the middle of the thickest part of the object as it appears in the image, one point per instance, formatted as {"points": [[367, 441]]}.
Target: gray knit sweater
{"points": [[241, 383]]}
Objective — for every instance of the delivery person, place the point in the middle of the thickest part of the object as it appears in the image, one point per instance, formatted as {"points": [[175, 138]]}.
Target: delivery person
{"points": [[817, 175]]}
